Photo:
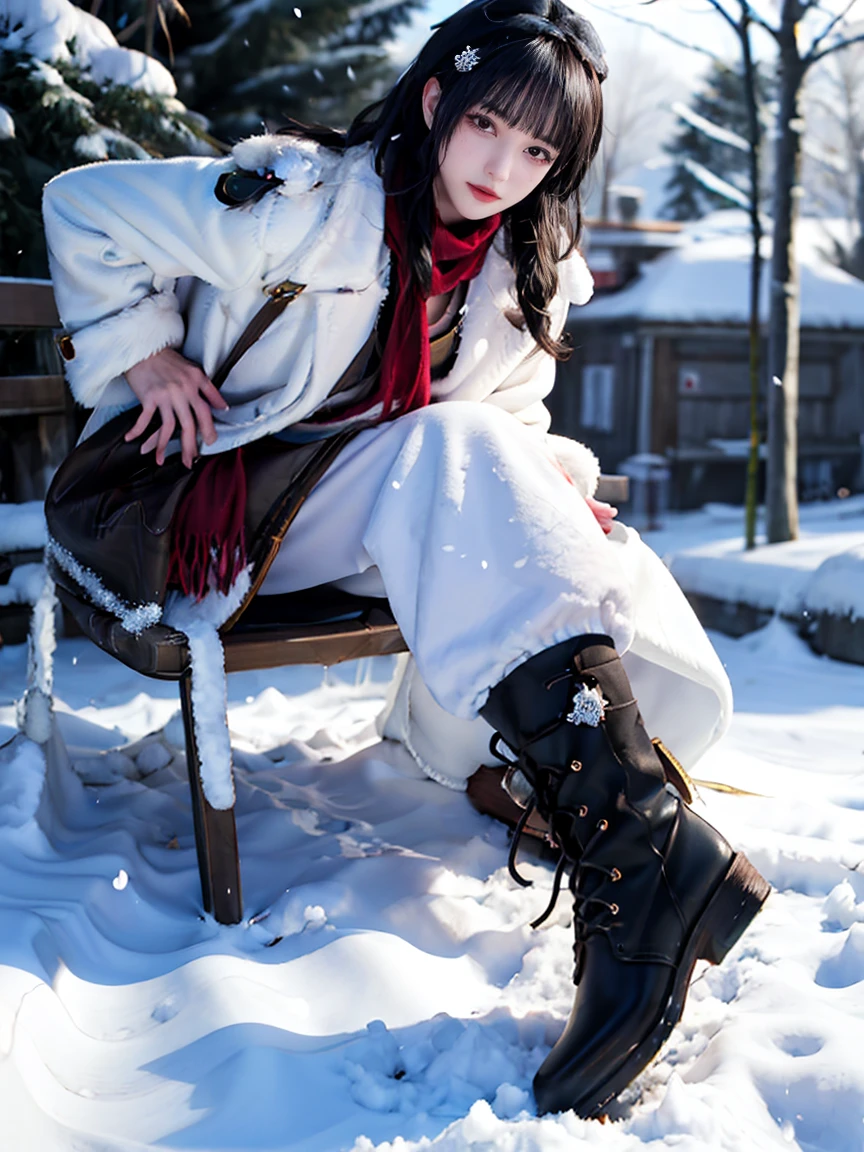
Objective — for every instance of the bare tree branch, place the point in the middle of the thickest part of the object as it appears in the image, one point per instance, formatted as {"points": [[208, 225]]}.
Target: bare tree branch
{"points": [[815, 57], [129, 31], [831, 25], [660, 31], [748, 14]]}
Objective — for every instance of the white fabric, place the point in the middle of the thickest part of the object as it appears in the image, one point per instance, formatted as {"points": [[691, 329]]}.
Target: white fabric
{"points": [[143, 257], [487, 553], [682, 688]]}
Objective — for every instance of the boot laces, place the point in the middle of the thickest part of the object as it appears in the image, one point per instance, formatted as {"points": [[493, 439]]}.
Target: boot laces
{"points": [[546, 780]]}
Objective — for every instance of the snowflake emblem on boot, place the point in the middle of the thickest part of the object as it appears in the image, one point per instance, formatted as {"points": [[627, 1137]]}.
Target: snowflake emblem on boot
{"points": [[589, 707]]}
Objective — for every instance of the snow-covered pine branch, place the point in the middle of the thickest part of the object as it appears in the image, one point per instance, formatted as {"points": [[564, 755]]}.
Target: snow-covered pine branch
{"points": [[716, 184], [708, 128]]}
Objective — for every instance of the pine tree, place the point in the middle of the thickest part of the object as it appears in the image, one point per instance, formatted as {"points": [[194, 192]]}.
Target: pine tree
{"points": [[241, 64], [721, 101], [74, 110]]}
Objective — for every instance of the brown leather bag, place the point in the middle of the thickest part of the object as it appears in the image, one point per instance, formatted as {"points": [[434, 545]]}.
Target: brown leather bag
{"points": [[110, 508]]}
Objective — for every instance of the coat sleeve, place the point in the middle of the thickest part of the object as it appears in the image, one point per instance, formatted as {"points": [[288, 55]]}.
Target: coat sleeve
{"points": [[120, 234], [524, 390]]}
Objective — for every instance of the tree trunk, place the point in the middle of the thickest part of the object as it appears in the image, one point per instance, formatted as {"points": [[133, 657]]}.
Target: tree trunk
{"points": [[150, 26], [755, 140], [784, 325]]}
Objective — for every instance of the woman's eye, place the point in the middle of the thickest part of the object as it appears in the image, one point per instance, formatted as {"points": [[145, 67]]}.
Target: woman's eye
{"points": [[538, 153], [482, 122]]}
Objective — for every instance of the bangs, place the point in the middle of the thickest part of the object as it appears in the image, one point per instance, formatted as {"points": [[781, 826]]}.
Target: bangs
{"points": [[538, 89]]}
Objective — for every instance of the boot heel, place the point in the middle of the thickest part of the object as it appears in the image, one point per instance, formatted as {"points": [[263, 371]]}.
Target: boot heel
{"points": [[740, 896]]}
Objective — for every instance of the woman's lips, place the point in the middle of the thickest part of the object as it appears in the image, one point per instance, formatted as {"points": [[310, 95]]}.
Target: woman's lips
{"points": [[481, 193]]}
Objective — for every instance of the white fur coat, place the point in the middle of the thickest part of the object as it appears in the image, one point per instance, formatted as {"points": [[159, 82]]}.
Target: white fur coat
{"points": [[144, 257]]}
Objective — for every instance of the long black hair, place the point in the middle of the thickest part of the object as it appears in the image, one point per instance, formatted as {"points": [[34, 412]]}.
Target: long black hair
{"points": [[540, 69]]}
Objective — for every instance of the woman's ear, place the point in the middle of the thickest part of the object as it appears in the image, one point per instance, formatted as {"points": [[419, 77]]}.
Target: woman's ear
{"points": [[431, 96]]}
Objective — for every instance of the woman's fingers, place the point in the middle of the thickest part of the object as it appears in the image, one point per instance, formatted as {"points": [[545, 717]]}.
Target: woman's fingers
{"points": [[141, 424], [204, 416], [179, 391], [212, 394], [165, 432], [188, 434]]}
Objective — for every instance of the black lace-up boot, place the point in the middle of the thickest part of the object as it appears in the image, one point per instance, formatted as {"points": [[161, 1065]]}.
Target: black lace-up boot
{"points": [[655, 887]]}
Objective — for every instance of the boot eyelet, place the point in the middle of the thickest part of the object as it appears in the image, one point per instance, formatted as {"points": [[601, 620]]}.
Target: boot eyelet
{"points": [[616, 875], [614, 909], [603, 825], [575, 765], [583, 811]]}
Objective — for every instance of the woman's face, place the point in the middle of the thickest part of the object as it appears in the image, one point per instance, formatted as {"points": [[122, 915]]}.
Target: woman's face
{"points": [[487, 167]]}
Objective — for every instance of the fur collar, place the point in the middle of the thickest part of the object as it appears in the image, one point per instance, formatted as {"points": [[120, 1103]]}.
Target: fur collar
{"points": [[298, 163]]}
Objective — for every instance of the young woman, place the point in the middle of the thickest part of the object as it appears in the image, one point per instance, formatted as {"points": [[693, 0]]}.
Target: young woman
{"points": [[432, 256]]}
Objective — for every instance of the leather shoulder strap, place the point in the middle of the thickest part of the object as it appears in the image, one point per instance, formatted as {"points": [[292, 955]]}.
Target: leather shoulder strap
{"points": [[278, 299]]}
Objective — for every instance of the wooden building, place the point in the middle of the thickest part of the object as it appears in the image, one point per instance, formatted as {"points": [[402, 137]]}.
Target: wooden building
{"points": [[661, 366]]}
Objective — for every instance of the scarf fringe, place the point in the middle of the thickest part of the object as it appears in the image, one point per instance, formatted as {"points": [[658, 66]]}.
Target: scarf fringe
{"points": [[208, 539]]}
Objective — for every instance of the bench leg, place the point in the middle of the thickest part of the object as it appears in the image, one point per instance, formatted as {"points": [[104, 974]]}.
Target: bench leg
{"points": [[215, 832]]}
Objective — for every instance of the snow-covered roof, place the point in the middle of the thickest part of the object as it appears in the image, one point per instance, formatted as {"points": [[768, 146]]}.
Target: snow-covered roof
{"points": [[706, 280]]}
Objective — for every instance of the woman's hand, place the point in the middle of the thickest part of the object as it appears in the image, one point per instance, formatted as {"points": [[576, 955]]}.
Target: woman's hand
{"points": [[603, 513], [178, 389]]}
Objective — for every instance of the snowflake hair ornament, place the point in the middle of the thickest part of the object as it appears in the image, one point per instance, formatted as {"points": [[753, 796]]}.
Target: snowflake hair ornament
{"points": [[467, 60], [589, 707]]}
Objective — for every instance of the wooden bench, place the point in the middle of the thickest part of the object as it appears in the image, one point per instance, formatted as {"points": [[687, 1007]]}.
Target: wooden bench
{"points": [[27, 306], [316, 626]]}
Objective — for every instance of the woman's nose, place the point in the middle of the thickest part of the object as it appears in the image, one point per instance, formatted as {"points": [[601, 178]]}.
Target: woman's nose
{"points": [[499, 164]]}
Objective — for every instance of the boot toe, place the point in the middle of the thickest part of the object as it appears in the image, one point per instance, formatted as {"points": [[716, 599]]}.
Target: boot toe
{"points": [[619, 1021]]}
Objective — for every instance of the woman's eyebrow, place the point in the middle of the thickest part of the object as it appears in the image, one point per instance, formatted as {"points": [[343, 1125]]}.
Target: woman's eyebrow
{"points": [[492, 110]]}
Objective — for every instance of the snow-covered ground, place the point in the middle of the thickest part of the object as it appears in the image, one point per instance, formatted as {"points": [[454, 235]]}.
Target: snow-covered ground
{"points": [[385, 991], [821, 571]]}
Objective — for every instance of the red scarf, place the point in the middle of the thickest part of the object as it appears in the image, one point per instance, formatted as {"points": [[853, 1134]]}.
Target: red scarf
{"points": [[207, 539], [208, 546], [405, 379]]}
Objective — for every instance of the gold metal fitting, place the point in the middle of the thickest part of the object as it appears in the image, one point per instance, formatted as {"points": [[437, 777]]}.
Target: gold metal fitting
{"points": [[614, 909], [288, 290], [616, 875], [575, 765], [603, 825], [583, 811]]}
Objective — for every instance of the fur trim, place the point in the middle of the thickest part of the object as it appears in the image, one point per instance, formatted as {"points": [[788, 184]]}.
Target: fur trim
{"points": [[106, 349], [134, 618], [577, 460], [295, 161], [201, 622], [575, 281], [35, 709]]}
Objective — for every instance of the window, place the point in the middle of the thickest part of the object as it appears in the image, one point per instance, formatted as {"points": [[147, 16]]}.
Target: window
{"points": [[598, 397]]}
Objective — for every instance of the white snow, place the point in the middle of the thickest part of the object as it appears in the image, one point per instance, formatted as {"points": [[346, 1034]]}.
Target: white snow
{"points": [[24, 586], [22, 526], [56, 30], [385, 992], [134, 617], [822, 571], [709, 128], [201, 622], [714, 183], [706, 280], [837, 585]]}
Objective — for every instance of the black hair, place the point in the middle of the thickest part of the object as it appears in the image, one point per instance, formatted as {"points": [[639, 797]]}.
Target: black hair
{"points": [[540, 69]]}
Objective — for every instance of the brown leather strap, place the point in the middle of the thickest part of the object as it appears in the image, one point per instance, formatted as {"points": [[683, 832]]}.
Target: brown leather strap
{"points": [[278, 300]]}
